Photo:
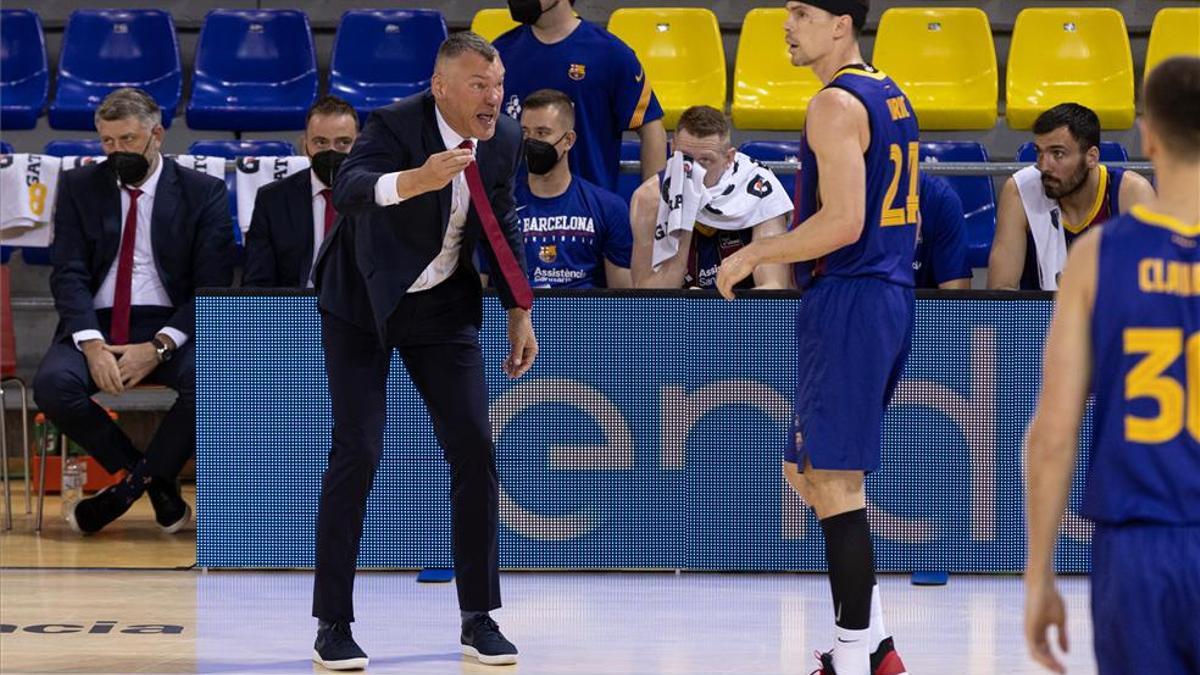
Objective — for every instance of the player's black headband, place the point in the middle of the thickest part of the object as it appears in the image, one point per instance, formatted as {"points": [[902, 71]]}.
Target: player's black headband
{"points": [[857, 9]]}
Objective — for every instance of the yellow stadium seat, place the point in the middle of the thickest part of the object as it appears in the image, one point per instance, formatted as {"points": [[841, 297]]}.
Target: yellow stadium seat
{"points": [[1176, 32], [768, 91], [681, 52], [1077, 55], [945, 61], [492, 23]]}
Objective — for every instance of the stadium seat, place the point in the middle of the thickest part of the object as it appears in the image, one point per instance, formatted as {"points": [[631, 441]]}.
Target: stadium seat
{"points": [[977, 193], [256, 70], [682, 53], [235, 149], [1061, 55], [5, 148], [627, 183], [768, 91], [381, 56], [24, 75], [776, 151], [1110, 151], [492, 23], [945, 61], [74, 147], [105, 49], [1176, 32]]}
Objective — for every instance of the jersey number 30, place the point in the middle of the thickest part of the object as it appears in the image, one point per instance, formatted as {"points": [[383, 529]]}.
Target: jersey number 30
{"points": [[1162, 346], [902, 214]]}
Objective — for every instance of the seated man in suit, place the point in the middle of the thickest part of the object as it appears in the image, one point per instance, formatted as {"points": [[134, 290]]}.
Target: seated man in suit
{"points": [[293, 215], [135, 236]]}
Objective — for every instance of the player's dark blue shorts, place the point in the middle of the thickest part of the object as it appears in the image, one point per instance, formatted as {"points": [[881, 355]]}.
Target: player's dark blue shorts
{"points": [[1146, 599], [852, 337]]}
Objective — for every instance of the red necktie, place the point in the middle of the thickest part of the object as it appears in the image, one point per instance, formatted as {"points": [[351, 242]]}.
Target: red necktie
{"points": [[330, 214], [511, 270], [123, 293]]}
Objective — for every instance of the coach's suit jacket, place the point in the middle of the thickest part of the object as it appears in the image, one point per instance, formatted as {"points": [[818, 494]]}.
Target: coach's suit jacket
{"points": [[375, 254], [192, 239], [279, 244]]}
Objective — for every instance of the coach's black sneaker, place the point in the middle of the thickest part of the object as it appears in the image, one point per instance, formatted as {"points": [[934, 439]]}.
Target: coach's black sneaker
{"points": [[481, 638], [336, 649], [88, 516], [171, 512]]}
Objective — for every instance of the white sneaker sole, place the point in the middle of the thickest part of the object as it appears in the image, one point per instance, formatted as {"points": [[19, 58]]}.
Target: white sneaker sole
{"points": [[344, 664], [498, 660], [181, 523]]}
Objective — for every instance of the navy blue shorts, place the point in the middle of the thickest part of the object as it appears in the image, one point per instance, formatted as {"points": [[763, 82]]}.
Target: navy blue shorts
{"points": [[852, 338], [1146, 599]]}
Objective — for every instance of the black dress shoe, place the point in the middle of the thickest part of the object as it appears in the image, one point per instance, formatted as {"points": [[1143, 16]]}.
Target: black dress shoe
{"points": [[336, 649], [171, 512], [88, 516], [482, 639]]}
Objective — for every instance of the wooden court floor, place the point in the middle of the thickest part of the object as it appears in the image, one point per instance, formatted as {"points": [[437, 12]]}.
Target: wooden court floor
{"points": [[67, 606]]}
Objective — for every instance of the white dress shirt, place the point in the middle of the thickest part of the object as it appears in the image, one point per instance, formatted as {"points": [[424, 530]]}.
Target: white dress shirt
{"points": [[318, 211], [146, 288], [446, 262]]}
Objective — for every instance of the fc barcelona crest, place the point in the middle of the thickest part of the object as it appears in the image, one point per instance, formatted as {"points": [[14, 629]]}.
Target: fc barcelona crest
{"points": [[577, 71], [548, 253]]}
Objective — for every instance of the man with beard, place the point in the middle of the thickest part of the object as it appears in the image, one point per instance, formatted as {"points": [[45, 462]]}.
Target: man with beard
{"points": [[284, 235], [1043, 208]]}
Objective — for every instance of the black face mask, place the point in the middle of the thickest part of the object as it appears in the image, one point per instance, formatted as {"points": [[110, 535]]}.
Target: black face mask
{"points": [[325, 165], [527, 11], [540, 156], [130, 167]]}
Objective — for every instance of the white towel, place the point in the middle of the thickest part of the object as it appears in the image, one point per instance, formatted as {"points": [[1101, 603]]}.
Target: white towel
{"points": [[255, 172], [1045, 226], [75, 161], [747, 194], [28, 185], [213, 166]]}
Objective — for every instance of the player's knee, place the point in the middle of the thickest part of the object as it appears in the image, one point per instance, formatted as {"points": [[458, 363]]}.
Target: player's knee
{"points": [[795, 479]]}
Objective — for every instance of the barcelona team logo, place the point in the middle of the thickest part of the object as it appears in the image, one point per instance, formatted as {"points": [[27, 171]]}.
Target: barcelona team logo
{"points": [[577, 71], [548, 253]]}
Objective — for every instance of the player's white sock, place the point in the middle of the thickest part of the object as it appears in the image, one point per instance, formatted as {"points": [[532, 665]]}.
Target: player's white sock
{"points": [[878, 631], [852, 653]]}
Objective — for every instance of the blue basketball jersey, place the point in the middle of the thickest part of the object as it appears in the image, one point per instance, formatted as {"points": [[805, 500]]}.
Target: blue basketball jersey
{"points": [[569, 237], [604, 79], [885, 248], [1145, 454]]}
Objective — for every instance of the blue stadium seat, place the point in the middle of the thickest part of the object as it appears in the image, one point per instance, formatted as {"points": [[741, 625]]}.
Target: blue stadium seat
{"points": [[24, 75], [1110, 151], [105, 49], [256, 70], [235, 149], [380, 56], [83, 147], [5, 148], [776, 151], [977, 193], [627, 183]]}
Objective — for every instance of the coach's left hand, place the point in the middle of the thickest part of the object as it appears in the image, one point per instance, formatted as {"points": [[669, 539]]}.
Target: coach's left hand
{"points": [[735, 268], [523, 341]]}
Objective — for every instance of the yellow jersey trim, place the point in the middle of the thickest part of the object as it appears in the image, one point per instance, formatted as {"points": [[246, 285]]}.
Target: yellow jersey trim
{"points": [[1101, 194], [1164, 221]]}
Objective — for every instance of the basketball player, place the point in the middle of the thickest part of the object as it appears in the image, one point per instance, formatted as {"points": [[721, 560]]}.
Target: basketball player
{"points": [[1127, 323], [857, 211]]}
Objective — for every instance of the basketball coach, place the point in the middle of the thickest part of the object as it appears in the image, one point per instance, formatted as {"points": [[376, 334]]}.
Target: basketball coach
{"points": [[429, 177]]}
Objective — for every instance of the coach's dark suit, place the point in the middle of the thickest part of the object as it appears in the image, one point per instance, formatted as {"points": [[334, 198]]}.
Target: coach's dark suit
{"points": [[192, 243], [279, 244], [363, 274]]}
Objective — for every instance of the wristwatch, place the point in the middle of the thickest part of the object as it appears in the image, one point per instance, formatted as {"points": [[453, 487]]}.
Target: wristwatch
{"points": [[164, 351]]}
